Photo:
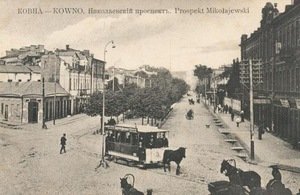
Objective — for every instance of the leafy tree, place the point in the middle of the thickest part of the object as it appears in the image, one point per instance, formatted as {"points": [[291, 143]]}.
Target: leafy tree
{"points": [[233, 84], [202, 72], [153, 102]]}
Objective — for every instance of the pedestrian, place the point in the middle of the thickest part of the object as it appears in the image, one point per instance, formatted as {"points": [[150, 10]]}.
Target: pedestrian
{"points": [[232, 115], [226, 108], [230, 110], [63, 141], [261, 130], [238, 120], [242, 116]]}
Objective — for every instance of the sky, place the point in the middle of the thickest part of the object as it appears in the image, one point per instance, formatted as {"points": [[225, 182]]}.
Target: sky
{"points": [[177, 41]]}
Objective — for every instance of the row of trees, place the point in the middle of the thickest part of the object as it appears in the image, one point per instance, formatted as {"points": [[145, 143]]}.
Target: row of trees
{"points": [[151, 103]]}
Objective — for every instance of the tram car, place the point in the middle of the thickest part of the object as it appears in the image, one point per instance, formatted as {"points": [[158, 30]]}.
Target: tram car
{"points": [[144, 145]]}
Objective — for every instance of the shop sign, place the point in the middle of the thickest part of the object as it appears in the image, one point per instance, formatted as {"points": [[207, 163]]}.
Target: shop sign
{"points": [[285, 103], [297, 103], [261, 101]]}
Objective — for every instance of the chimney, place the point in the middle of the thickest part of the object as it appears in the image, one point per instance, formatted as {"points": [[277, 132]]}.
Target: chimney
{"points": [[67, 47]]}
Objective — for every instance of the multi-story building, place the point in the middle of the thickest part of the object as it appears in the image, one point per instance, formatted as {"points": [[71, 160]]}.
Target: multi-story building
{"points": [[78, 72], [276, 44]]}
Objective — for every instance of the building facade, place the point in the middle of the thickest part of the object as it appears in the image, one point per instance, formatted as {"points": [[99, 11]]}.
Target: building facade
{"points": [[23, 102], [78, 72], [276, 44]]}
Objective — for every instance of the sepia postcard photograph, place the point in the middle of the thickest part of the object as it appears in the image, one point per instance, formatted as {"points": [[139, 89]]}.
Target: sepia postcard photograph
{"points": [[153, 97]]}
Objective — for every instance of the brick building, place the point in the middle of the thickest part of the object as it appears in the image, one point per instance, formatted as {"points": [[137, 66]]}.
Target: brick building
{"points": [[276, 44]]}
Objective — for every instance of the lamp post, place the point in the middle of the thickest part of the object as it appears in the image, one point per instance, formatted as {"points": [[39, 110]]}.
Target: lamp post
{"points": [[251, 113], [103, 163]]}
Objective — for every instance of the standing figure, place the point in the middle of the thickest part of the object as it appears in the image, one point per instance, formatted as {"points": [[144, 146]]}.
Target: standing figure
{"points": [[165, 141], [238, 120], [232, 115], [242, 115], [63, 141], [261, 130]]}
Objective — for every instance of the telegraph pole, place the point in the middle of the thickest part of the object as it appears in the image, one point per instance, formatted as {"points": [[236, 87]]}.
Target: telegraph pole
{"points": [[251, 113], [113, 87], [205, 90], [215, 102], [43, 93], [54, 103]]}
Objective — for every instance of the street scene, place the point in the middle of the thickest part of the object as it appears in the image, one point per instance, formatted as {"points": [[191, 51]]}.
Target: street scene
{"points": [[150, 98]]}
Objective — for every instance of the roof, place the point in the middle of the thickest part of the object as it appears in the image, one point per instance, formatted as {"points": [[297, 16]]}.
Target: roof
{"points": [[35, 69], [20, 89], [80, 56], [137, 128], [14, 69]]}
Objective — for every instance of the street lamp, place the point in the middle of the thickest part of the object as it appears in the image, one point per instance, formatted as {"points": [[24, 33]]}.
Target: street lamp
{"points": [[103, 163]]}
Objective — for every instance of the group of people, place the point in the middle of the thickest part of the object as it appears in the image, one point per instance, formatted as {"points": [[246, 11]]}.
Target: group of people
{"points": [[154, 142]]}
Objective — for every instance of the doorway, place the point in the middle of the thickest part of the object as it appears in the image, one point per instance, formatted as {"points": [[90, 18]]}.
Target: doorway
{"points": [[33, 112]]}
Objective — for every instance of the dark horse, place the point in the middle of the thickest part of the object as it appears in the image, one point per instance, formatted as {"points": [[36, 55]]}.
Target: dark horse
{"points": [[251, 179], [128, 189], [173, 155]]}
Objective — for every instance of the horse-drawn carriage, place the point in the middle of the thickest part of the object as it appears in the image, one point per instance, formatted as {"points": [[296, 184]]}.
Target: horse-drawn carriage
{"points": [[239, 180], [144, 145], [190, 115]]}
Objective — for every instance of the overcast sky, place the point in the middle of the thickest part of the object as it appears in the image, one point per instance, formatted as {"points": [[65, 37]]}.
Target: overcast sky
{"points": [[175, 41]]}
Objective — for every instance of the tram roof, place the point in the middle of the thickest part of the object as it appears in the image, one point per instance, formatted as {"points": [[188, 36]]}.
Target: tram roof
{"points": [[137, 128]]}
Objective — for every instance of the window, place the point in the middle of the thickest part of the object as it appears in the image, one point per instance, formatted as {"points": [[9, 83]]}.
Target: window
{"points": [[2, 108], [11, 109], [9, 80], [20, 80], [18, 110], [70, 84]]}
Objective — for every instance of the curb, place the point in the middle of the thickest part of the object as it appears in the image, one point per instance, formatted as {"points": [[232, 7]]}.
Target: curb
{"points": [[247, 149]]}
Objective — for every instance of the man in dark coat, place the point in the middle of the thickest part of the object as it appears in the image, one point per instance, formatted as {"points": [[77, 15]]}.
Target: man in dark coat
{"points": [[63, 141], [165, 142]]}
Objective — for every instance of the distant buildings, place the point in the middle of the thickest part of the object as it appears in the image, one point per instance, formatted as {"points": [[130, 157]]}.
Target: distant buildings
{"points": [[140, 77], [77, 74]]}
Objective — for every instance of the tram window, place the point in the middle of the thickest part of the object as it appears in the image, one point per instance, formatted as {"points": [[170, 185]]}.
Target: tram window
{"points": [[127, 139], [134, 139], [118, 138], [123, 137]]}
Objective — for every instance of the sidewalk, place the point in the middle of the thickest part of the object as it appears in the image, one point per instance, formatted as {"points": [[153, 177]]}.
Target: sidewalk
{"points": [[270, 150]]}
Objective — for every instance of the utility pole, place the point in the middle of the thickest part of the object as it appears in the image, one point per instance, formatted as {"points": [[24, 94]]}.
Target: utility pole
{"points": [[205, 90], [43, 93], [251, 113], [92, 81], [215, 102], [54, 103], [113, 87]]}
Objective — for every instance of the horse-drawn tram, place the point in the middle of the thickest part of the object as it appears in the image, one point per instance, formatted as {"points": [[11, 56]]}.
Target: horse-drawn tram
{"points": [[144, 145]]}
